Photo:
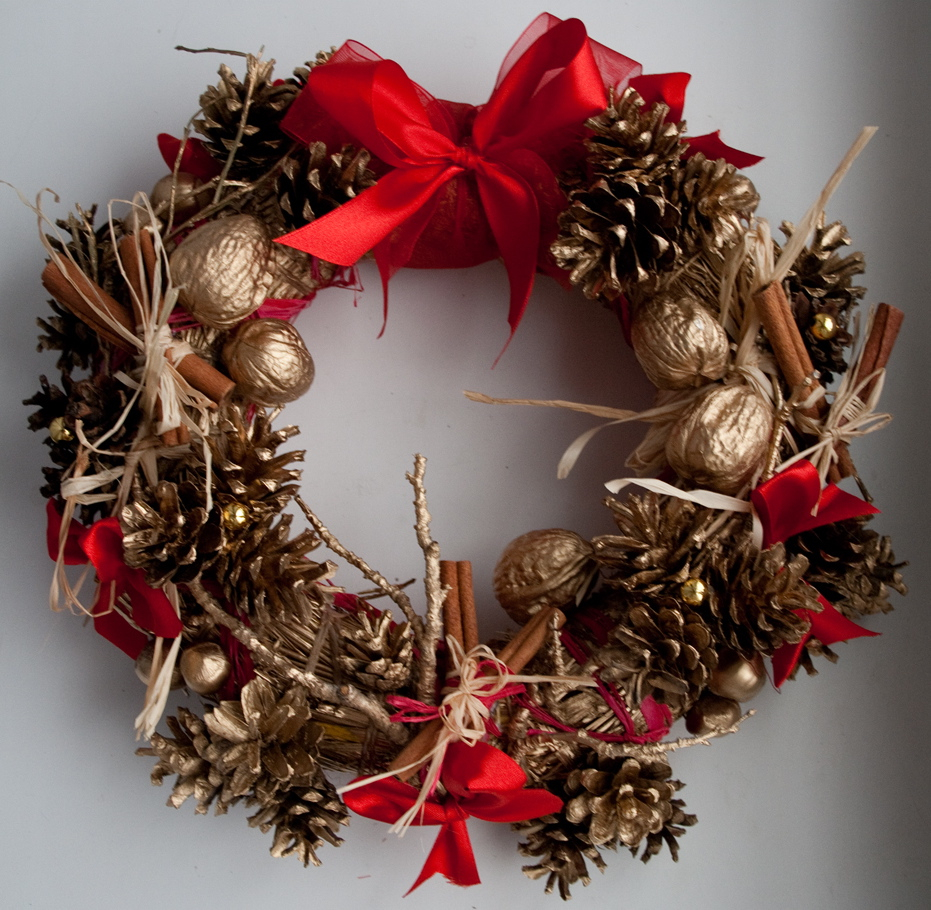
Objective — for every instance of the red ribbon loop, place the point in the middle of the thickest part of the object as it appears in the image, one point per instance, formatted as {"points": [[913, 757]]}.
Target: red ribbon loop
{"points": [[101, 545], [480, 780], [446, 166], [793, 501]]}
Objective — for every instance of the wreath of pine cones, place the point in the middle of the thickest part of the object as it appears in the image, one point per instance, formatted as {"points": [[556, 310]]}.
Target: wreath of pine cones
{"points": [[175, 354]]}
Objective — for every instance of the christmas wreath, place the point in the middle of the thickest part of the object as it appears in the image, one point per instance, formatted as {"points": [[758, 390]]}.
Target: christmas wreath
{"points": [[173, 326]]}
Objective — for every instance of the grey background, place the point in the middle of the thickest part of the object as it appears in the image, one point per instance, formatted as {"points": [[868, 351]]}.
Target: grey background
{"points": [[822, 799]]}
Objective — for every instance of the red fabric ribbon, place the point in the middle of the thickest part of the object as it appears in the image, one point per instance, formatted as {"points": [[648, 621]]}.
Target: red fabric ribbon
{"points": [[466, 184], [785, 504], [195, 159], [793, 501], [101, 545], [829, 626], [480, 780]]}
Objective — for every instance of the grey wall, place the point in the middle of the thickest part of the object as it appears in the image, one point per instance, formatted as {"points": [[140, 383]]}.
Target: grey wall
{"points": [[821, 801]]}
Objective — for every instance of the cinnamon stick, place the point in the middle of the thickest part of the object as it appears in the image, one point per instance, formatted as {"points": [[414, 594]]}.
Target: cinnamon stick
{"points": [[875, 355], [515, 655], [878, 347], [452, 617], [794, 360], [783, 334], [70, 286], [205, 378], [467, 605]]}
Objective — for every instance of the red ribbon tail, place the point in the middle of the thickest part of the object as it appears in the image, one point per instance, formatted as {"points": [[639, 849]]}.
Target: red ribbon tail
{"points": [[451, 856], [785, 660], [112, 625], [829, 627], [712, 147], [74, 554]]}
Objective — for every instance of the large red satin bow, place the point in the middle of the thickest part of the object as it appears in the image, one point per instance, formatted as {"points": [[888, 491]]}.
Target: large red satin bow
{"points": [[101, 545], [480, 780], [785, 504], [444, 156]]}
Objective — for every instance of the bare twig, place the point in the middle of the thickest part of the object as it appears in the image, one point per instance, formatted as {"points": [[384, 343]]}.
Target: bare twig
{"points": [[433, 588], [240, 132], [390, 590], [318, 688], [210, 50]]}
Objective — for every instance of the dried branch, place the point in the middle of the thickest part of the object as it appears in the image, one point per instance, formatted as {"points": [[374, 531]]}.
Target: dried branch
{"points": [[433, 588], [390, 590], [325, 691], [656, 750]]}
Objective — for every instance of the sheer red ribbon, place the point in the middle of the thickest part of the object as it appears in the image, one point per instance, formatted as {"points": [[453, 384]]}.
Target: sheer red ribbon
{"points": [[101, 545], [789, 503], [466, 184], [480, 781]]}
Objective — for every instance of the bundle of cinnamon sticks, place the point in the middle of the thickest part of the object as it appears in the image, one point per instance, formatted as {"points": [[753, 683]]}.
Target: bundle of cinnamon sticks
{"points": [[459, 618], [106, 316], [795, 363]]}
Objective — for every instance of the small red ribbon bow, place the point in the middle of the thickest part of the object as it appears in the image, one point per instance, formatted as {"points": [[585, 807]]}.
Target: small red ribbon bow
{"points": [[792, 502], [101, 545], [465, 184], [480, 175], [480, 780]]}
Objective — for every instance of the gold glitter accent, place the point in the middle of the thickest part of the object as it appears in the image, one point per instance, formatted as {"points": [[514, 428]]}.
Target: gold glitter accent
{"points": [[693, 591], [235, 515], [823, 326], [59, 431]]}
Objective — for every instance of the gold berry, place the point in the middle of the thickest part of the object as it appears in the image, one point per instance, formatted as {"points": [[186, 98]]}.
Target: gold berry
{"points": [[59, 431], [205, 667], [693, 591], [824, 326], [235, 516]]}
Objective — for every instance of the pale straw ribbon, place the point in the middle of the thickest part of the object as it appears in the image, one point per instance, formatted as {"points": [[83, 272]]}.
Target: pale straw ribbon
{"points": [[463, 714], [155, 383]]}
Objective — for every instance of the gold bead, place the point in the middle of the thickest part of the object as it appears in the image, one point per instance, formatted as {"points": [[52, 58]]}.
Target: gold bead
{"points": [[235, 516], [824, 326], [205, 667], [58, 430], [693, 591]]}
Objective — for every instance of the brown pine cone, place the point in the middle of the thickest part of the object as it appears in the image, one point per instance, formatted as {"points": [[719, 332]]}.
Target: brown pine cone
{"points": [[852, 566], [660, 648], [820, 286], [314, 181], [170, 534], [562, 848], [626, 801], [621, 226], [716, 202], [262, 143]]}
